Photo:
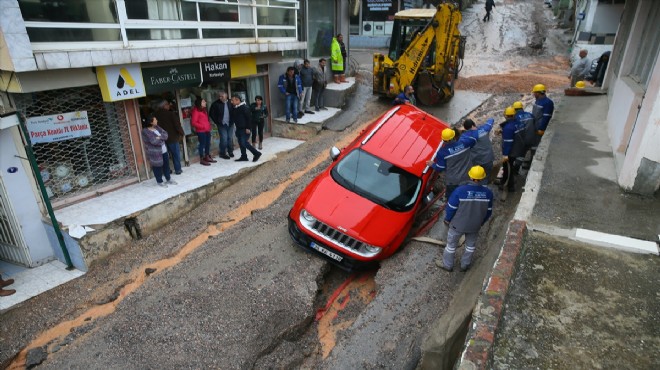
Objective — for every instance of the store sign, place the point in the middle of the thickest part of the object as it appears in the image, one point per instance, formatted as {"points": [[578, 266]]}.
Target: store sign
{"points": [[173, 77], [58, 127], [379, 5], [120, 82], [243, 66], [216, 71]]}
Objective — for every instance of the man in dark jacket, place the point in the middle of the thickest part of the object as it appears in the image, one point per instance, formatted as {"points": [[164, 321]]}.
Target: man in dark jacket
{"points": [[219, 113], [490, 4], [320, 83], [241, 117], [291, 87], [307, 80], [169, 121]]}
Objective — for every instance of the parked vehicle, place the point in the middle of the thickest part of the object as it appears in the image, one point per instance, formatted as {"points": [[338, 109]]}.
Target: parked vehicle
{"points": [[376, 193]]}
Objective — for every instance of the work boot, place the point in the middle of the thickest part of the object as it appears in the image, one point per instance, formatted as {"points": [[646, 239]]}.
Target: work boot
{"points": [[6, 292], [210, 159], [4, 283], [204, 162], [342, 78], [335, 79]]}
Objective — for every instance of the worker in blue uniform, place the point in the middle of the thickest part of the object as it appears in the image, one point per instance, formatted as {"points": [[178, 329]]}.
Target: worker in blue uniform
{"points": [[453, 158], [513, 147], [469, 207], [482, 152], [527, 120], [543, 109]]}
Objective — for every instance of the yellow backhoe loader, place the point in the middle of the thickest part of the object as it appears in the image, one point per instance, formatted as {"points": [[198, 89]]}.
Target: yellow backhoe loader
{"points": [[426, 51]]}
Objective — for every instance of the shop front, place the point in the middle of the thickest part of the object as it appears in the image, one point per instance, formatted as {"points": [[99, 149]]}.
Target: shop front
{"points": [[82, 144], [183, 84]]}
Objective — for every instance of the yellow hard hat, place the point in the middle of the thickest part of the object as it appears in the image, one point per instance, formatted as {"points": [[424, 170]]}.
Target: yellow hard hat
{"points": [[580, 84], [448, 134], [477, 173], [509, 111], [539, 88], [517, 105]]}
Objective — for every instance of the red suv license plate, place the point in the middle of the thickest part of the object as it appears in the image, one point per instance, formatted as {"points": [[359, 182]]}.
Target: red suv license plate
{"points": [[334, 256]]}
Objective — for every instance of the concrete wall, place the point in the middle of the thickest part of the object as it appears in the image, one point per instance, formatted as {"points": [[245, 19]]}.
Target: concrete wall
{"points": [[634, 116], [640, 170]]}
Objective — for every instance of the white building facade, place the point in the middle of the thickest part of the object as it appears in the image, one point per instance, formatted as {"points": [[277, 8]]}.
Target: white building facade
{"points": [[85, 73]]}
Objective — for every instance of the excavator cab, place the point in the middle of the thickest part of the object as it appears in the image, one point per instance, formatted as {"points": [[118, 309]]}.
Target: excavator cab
{"points": [[407, 25], [426, 51]]}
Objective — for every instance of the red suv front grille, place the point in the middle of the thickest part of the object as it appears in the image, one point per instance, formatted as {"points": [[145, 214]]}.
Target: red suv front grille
{"points": [[337, 236]]}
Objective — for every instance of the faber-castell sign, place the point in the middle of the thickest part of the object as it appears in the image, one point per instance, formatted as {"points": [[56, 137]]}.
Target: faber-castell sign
{"points": [[173, 77], [120, 82], [58, 127]]}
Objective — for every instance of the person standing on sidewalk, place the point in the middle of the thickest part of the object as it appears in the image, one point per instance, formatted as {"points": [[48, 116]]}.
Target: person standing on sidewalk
{"points": [[454, 158], [490, 4], [482, 152], [336, 59], [219, 113], [170, 122], [259, 113], [513, 147], [3, 283], [468, 208], [200, 122], [318, 87], [543, 109], [241, 117], [580, 70], [291, 86], [153, 138], [344, 57], [307, 80]]}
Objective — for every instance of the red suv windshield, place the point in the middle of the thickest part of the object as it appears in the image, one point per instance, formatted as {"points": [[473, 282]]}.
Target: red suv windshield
{"points": [[377, 180]]}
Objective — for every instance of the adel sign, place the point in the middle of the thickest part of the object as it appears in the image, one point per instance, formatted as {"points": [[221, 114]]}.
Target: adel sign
{"points": [[120, 82]]}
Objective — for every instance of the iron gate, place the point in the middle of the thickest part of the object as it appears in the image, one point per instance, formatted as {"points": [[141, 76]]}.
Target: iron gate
{"points": [[81, 167], [12, 245]]}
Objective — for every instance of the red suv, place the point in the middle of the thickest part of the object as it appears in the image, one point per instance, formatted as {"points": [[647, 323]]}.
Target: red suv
{"points": [[377, 192]]}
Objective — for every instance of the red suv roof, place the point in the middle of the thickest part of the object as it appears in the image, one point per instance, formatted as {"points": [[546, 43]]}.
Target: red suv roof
{"points": [[406, 137]]}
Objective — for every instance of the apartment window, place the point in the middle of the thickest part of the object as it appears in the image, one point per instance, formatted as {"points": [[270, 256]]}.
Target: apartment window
{"points": [[321, 23], [83, 21], [77, 11]]}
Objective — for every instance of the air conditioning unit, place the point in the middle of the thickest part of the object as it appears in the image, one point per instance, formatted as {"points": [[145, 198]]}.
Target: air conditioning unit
{"points": [[388, 27], [379, 28], [367, 28]]}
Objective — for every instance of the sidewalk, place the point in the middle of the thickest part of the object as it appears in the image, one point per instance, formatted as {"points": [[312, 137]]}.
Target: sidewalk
{"points": [[96, 226], [566, 292]]}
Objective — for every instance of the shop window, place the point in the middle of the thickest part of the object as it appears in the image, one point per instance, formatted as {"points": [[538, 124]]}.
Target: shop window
{"points": [[276, 16], [79, 167], [321, 23]]}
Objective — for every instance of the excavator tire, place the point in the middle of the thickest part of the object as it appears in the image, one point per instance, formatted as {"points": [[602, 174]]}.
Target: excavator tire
{"points": [[427, 94]]}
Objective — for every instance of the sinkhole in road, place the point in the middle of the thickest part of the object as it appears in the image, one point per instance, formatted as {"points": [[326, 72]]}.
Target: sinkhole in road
{"points": [[345, 296], [56, 335]]}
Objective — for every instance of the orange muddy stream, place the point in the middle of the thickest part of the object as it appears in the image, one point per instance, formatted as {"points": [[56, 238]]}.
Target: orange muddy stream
{"points": [[138, 277]]}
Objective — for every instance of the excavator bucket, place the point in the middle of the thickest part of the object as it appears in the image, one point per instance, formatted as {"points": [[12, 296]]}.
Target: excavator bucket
{"points": [[427, 93]]}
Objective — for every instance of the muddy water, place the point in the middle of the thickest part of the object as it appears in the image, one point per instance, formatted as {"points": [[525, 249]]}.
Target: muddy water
{"points": [[138, 277], [360, 287]]}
